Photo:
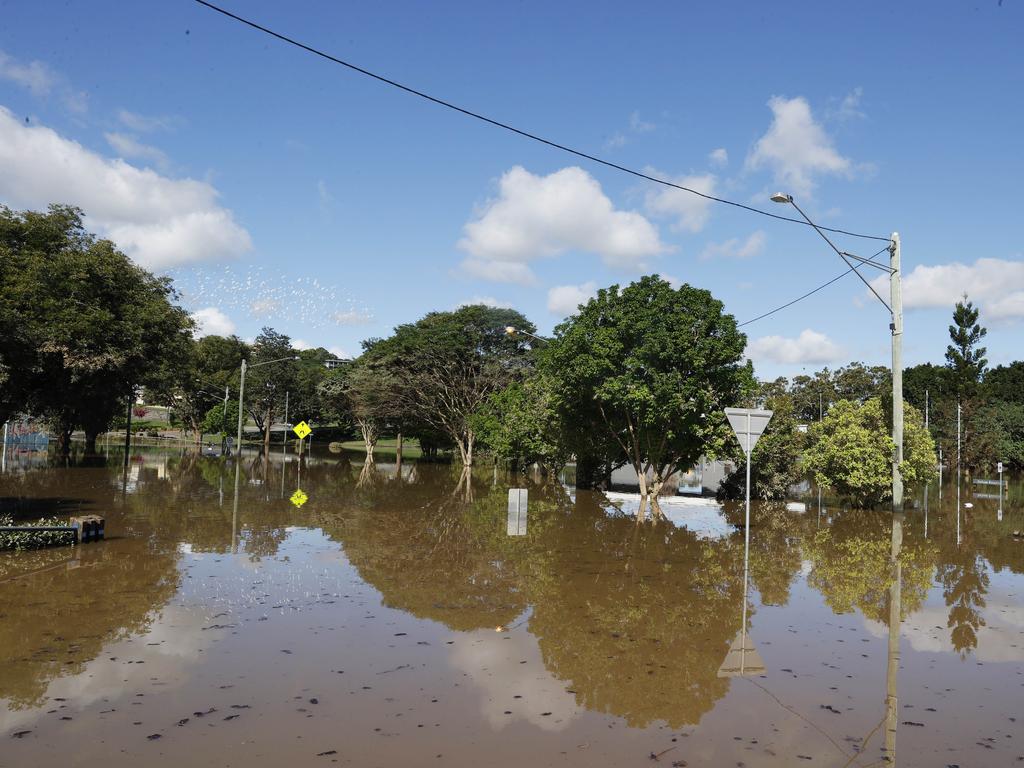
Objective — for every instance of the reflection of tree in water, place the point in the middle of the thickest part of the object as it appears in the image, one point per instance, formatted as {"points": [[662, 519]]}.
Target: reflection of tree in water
{"points": [[637, 619], [964, 577], [55, 621], [422, 547], [774, 547], [851, 564]]}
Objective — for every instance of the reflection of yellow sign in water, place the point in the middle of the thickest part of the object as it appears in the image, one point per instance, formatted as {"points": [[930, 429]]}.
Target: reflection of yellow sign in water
{"points": [[302, 430], [299, 498]]}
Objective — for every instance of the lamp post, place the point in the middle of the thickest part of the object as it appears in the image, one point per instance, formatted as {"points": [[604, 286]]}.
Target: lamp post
{"points": [[895, 307], [513, 331], [241, 392]]}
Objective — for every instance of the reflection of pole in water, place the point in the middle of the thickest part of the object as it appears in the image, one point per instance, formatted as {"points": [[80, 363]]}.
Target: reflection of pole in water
{"points": [[234, 509], [893, 656], [926, 509]]}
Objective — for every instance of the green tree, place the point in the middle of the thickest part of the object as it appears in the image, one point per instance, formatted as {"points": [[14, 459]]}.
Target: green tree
{"points": [[93, 326], [775, 459], [965, 359], [1005, 383], [358, 392], [522, 424], [267, 381], [851, 451], [652, 368], [444, 367]]}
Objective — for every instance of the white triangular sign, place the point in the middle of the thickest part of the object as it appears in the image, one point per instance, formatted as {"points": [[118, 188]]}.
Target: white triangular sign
{"points": [[748, 424]]}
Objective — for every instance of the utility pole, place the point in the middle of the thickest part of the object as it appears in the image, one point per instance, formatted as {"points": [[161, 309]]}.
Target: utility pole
{"points": [[241, 409], [128, 428], [224, 413], [896, 303], [926, 410], [285, 439]]}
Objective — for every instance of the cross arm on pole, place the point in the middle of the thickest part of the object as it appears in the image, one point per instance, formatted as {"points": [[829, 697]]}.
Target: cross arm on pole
{"points": [[842, 254]]}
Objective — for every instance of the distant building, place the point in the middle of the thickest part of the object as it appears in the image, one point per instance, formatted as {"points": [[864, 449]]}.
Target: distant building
{"points": [[335, 363]]}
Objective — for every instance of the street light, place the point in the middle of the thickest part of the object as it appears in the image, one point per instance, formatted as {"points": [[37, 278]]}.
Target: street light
{"points": [[513, 331], [895, 307], [241, 391]]}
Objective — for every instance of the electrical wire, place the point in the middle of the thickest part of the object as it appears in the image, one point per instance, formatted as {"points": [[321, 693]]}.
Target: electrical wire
{"points": [[513, 129], [809, 293]]}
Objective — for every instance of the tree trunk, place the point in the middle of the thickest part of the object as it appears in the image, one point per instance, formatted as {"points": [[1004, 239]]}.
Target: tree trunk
{"points": [[197, 430], [369, 432], [90, 441], [398, 456], [641, 478], [470, 439]]}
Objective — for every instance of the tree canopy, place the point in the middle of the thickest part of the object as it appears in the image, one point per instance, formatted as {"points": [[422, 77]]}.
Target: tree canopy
{"points": [[651, 367]]}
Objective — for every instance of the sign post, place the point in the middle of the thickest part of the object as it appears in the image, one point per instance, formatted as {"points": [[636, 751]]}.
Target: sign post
{"points": [[999, 468], [748, 424], [302, 429]]}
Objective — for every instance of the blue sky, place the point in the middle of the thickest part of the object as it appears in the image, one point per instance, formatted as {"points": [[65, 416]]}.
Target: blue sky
{"points": [[281, 190]]}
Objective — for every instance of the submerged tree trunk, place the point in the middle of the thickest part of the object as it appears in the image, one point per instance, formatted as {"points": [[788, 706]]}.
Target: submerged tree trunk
{"points": [[398, 453], [370, 435], [266, 431], [90, 441]]}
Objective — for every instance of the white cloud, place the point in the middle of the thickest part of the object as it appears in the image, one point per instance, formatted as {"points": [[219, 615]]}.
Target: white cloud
{"points": [[39, 80], [735, 248], [34, 76], [147, 124], [351, 317], [719, 157], [326, 198], [615, 141], [796, 148], [995, 285], [301, 344], [849, 107], [690, 211], [212, 322], [487, 301], [544, 216], [636, 125], [809, 347], [339, 353], [158, 221], [499, 271], [563, 300], [129, 147]]}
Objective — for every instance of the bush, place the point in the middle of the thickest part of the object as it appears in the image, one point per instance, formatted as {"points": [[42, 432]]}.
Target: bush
{"points": [[851, 450]]}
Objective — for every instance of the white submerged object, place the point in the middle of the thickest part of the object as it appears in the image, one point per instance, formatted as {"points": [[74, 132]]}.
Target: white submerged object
{"points": [[796, 506]]}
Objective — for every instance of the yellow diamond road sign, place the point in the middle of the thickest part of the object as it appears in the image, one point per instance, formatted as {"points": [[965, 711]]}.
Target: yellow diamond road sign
{"points": [[299, 498], [302, 430]]}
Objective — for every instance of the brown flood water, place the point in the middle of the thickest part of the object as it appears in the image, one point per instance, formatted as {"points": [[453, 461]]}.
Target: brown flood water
{"points": [[392, 620]]}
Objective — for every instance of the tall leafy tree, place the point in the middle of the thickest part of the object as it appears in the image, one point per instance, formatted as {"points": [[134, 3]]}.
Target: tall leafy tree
{"points": [[93, 326], [444, 367], [964, 357], [652, 367], [851, 451], [267, 381]]}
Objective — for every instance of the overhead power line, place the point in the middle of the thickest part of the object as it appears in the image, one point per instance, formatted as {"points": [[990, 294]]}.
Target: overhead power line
{"points": [[809, 293], [513, 129]]}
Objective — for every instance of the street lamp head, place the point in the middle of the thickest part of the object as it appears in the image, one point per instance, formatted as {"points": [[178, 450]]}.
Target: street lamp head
{"points": [[782, 197], [510, 330]]}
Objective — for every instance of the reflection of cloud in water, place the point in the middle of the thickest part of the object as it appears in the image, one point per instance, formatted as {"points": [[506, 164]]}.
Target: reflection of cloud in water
{"points": [[174, 642], [493, 661], [703, 517], [999, 640]]}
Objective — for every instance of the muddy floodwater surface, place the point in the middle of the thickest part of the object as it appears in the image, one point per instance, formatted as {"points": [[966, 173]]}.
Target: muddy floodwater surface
{"points": [[334, 613]]}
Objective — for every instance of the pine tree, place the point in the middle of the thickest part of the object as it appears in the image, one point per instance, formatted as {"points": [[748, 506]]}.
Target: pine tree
{"points": [[964, 358]]}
